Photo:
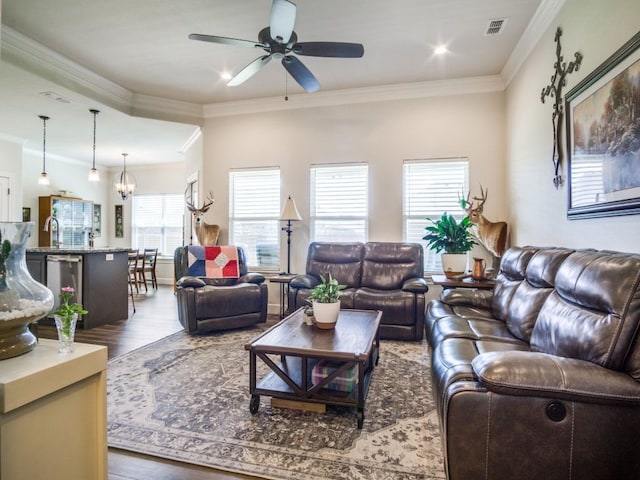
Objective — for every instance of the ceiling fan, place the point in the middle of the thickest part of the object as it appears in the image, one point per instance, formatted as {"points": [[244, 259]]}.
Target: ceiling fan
{"points": [[280, 41]]}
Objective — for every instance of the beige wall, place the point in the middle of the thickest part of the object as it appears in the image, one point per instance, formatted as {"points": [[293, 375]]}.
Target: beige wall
{"points": [[383, 134], [537, 211]]}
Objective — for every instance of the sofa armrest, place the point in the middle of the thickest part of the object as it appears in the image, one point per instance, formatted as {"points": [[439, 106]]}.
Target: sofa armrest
{"points": [[467, 297], [304, 281], [194, 282], [542, 375], [251, 277], [415, 285]]}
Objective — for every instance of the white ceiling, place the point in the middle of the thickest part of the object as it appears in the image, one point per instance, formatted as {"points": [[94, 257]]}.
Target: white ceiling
{"points": [[142, 49]]}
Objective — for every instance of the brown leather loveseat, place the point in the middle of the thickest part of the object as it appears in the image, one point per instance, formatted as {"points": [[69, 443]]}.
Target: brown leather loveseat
{"points": [[379, 276], [539, 379]]}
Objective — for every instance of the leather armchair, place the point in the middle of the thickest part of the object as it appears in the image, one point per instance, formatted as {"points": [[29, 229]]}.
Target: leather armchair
{"points": [[209, 304]]}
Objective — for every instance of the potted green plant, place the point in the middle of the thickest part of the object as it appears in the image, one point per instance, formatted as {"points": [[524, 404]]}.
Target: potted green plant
{"points": [[325, 299], [454, 239]]}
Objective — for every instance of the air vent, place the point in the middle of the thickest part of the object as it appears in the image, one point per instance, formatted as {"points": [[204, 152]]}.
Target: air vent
{"points": [[55, 96], [495, 27]]}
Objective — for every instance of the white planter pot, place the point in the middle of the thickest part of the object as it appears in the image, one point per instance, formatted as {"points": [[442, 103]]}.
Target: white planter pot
{"points": [[326, 314], [454, 264]]}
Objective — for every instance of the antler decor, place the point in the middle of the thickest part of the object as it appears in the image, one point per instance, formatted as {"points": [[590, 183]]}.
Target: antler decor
{"points": [[554, 89]]}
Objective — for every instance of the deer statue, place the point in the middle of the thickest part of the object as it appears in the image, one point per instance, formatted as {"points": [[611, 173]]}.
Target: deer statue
{"points": [[207, 234], [492, 235]]}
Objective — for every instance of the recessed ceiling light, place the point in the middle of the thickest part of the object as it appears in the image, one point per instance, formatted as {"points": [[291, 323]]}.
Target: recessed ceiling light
{"points": [[226, 76], [440, 50]]}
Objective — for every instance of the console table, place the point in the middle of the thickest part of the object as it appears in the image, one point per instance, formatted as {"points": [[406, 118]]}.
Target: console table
{"points": [[53, 414]]}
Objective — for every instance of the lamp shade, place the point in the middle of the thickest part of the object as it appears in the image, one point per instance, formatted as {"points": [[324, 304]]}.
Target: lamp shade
{"points": [[289, 211]]}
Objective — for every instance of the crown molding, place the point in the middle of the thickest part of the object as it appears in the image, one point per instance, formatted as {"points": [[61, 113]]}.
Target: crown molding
{"points": [[406, 91], [34, 57], [546, 13], [166, 109]]}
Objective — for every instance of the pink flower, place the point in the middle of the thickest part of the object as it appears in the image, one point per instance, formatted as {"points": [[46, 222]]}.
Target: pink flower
{"points": [[68, 289]]}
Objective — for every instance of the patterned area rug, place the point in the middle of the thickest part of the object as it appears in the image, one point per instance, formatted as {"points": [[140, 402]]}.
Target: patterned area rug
{"points": [[187, 398]]}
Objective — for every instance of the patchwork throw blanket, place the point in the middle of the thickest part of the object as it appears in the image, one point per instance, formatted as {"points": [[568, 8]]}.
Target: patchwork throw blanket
{"points": [[216, 261]]}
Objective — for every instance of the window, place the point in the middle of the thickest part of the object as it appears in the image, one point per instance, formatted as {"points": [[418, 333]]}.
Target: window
{"points": [[157, 222], [254, 209], [432, 187], [339, 203]]}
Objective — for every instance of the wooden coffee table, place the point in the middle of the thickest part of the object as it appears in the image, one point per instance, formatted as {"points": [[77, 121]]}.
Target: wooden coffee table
{"points": [[291, 349]]}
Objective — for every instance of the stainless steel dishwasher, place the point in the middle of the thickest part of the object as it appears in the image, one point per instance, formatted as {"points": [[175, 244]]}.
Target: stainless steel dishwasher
{"points": [[64, 271]]}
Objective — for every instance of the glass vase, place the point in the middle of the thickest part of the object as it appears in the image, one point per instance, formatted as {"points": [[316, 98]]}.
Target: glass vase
{"points": [[22, 299], [66, 326]]}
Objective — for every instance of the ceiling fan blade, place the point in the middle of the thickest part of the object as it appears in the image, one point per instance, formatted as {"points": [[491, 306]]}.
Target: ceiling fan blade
{"points": [[329, 49], [301, 74], [249, 71], [225, 40], [283, 17]]}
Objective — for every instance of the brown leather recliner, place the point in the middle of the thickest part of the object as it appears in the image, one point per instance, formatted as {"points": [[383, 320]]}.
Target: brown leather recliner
{"points": [[382, 276], [209, 304], [541, 377]]}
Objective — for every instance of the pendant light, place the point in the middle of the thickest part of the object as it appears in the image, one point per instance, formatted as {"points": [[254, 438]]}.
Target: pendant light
{"points": [[125, 183], [93, 173], [44, 179]]}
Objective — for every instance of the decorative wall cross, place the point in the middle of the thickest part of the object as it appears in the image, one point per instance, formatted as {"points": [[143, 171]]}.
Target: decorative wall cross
{"points": [[554, 89]]}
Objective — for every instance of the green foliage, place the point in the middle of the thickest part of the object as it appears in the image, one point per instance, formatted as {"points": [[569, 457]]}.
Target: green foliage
{"points": [[328, 291], [446, 234], [67, 309]]}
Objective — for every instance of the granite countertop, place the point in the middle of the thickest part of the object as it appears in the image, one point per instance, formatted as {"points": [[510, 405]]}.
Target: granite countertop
{"points": [[76, 250]]}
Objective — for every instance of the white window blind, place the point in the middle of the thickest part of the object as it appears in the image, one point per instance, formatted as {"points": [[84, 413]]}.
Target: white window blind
{"points": [[339, 203], [254, 208], [157, 222], [432, 187]]}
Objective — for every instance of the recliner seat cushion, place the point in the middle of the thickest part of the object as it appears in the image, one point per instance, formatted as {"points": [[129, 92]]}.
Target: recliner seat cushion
{"points": [[214, 302], [394, 304]]}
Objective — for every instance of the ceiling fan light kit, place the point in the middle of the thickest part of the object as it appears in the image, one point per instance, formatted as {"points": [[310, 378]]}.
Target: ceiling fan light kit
{"points": [[280, 42]]}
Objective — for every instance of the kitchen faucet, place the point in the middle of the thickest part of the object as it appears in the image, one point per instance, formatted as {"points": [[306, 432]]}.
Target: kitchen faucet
{"points": [[51, 219]]}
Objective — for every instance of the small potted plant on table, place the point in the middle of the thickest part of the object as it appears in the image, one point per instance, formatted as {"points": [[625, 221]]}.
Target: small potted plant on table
{"points": [[452, 238], [325, 300]]}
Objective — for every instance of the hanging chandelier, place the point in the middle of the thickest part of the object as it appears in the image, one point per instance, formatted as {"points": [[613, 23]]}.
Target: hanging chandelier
{"points": [[125, 183], [94, 176]]}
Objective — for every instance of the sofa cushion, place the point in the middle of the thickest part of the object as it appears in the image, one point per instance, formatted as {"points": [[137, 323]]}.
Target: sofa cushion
{"points": [[385, 266], [342, 260], [393, 304], [593, 314]]}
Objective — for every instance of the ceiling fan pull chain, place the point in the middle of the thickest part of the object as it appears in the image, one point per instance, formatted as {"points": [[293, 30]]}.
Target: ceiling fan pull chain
{"points": [[286, 87]]}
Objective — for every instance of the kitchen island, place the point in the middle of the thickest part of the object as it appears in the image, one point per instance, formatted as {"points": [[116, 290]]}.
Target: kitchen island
{"points": [[99, 275]]}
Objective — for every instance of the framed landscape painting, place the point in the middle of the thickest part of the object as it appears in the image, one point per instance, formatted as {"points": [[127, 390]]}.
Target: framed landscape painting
{"points": [[603, 138]]}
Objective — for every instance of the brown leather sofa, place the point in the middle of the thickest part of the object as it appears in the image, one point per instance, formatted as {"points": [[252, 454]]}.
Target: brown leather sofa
{"points": [[209, 304], [540, 378], [378, 275]]}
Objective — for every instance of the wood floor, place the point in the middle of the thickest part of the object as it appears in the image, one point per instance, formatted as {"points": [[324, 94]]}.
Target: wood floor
{"points": [[155, 318]]}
